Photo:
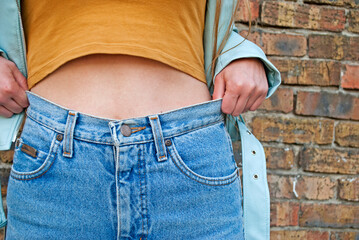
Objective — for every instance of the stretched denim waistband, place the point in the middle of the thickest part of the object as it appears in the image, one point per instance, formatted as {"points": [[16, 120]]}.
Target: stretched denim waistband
{"points": [[133, 130]]}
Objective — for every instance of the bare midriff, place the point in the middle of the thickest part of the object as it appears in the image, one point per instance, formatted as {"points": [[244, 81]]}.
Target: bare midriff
{"points": [[119, 86]]}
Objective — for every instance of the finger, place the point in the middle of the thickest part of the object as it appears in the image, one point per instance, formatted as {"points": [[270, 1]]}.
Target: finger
{"points": [[229, 102], [13, 106], [18, 92], [257, 103], [19, 78], [219, 87], [259, 95], [240, 105], [20, 98], [5, 113], [251, 100]]}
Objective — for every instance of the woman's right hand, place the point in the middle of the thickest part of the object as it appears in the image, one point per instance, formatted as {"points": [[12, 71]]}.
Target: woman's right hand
{"points": [[13, 85]]}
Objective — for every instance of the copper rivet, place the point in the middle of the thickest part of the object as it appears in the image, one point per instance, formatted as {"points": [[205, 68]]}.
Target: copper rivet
{"points": [[255, 176], [168, 142], [254, 152], [17, 143], [59, 137], [126, 130]]}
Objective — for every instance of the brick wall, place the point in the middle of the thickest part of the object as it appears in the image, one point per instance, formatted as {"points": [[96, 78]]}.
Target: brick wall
{"points": [[310, 126]]}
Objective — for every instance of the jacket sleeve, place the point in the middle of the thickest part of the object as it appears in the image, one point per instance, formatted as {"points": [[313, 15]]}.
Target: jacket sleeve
{"points": [[247, 49]]}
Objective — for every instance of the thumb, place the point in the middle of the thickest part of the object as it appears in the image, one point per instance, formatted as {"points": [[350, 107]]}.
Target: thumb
{"points": [[219, 87], [19, 78]]}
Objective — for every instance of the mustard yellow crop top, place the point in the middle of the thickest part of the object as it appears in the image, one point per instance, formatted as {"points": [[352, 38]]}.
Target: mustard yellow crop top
{"points": [[164, 30]]}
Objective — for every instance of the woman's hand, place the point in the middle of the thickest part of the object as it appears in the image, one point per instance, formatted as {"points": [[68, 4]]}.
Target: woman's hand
{"points": [[242, 85], [13, 85]]}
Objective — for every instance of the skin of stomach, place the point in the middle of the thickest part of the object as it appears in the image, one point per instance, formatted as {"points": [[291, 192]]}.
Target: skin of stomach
{"points": [[120, 86]]}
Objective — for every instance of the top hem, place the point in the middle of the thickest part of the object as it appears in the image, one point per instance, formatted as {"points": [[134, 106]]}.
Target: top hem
{"points": [[98, 48]]}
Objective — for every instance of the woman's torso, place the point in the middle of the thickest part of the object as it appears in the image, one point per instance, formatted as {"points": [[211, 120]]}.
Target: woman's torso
{"points": [[120, 86], [167, 73]]}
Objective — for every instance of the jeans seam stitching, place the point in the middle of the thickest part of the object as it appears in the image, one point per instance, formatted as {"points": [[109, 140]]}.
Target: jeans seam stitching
{"points": [[62, 132], [209, 182], [139, 142], [139, 167], [19, 175]]}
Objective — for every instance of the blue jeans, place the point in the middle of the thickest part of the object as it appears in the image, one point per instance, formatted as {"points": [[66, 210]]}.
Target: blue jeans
{"points": [[165, 176]]}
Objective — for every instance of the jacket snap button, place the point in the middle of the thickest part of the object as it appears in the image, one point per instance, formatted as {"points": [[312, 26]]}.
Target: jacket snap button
{"points": [[126, 130], [168, 142], [59, 137]]}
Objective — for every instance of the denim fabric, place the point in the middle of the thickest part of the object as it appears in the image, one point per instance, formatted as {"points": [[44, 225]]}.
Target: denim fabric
{"points": [[166, 176]]}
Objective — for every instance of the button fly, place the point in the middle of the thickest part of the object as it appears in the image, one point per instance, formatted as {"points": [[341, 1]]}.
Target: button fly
{"points": [[126, 130]]}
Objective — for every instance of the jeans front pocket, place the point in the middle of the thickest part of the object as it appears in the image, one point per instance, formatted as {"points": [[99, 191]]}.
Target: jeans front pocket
{"points": [[35, 151], [205, 155]]}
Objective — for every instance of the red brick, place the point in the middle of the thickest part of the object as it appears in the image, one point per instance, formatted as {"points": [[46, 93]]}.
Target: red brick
{"points": [[237, 151], [284, 44], [308, 72], [325, 104], [296, 15], [336, 47], [298, 234], [281, 186], [344, 235], [349, 189], [345, 3], [293, 129], [276, 103], [242, 12], [350, 79], [303, 187], [279, 157], [329, 215], [4, 176], [278, 44], [330, 160], [347, 134], [353, 20], [3, 190], [6, 156], [315, 188], [284, 214], [254, 36]]}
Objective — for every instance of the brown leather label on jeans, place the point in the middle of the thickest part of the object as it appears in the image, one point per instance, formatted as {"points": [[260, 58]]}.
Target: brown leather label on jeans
{"points": [[28, 150]]}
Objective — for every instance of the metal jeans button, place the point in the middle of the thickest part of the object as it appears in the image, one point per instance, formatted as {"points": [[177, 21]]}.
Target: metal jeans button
{"points": [[126, 130], [168, 142], [59, 137]]}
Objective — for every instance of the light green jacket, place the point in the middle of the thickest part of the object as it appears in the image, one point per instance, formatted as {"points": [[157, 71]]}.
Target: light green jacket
{"points": [[255, 190]]}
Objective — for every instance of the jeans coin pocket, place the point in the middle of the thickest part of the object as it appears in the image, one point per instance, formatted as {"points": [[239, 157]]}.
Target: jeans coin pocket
{"points": [[35, 152], [205, 155]]}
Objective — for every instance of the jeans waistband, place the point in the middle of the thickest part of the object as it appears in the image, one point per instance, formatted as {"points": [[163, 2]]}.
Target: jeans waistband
{"points": [[133, 130]]}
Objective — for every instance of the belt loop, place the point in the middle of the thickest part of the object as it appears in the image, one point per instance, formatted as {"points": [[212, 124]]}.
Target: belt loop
{"points": [[158, 137], [69, 134], [112, 127]]}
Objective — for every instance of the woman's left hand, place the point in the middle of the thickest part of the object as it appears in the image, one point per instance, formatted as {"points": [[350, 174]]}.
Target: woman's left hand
{"points": [[242, 85]]}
